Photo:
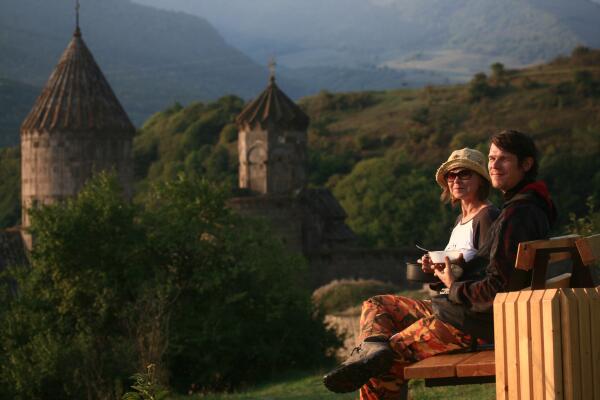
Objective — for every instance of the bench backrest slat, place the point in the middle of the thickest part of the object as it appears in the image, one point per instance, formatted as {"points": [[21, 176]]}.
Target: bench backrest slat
{"points": [[589, 249]]}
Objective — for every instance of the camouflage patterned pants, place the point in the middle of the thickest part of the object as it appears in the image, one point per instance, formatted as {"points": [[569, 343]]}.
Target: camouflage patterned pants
{"points": [[414, 334]]}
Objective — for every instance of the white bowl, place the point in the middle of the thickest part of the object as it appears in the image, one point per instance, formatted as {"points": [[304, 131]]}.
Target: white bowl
{"points": [[437, 257]]}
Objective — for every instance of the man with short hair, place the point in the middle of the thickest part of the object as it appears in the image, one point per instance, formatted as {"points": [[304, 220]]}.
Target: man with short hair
{"points": [[397, 331]]}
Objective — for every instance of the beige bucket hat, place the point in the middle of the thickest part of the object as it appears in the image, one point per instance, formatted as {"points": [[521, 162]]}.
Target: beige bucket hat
{"points": [[464, 158]]}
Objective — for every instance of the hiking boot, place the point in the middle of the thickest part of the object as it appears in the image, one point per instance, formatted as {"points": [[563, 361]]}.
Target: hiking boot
{"points": [[372, 358]]}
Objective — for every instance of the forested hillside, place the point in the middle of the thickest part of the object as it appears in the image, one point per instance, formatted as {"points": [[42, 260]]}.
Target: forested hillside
{"points": [[558, 104], [378, 151], [16, 99]]}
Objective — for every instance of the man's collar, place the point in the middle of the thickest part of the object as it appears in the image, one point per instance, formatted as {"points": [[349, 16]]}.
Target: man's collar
{"points": [[509, 194]]}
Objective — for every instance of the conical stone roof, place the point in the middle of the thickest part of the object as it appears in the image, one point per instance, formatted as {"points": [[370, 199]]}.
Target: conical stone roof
{"points": [[273, 107], [77, 97]]}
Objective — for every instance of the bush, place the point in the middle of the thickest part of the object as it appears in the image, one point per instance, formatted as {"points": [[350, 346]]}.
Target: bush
{"points": [[229, 134], [420, 115], [479, 88], [499, 74], [584, 83], [364, 141], [179, 281], [324, 164], [66, 334], [340, 295], [242, 311]]}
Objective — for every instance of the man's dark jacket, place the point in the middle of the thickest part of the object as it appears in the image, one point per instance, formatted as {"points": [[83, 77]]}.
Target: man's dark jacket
{"points": [[527, 214]]}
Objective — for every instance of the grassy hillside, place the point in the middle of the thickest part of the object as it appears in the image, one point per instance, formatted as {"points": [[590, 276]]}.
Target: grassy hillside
{"points": [[558, 103], [378, 151]]}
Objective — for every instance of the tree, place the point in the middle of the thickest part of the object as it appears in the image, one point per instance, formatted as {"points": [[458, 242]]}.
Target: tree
{"points": [[499, 74], [178, 281], [584, 83], [10, 178], [65, 334], [479, 87], [391, 203], [235, 282]]}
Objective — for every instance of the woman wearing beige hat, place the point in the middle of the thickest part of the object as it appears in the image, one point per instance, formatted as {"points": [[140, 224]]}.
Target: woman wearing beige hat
{"points": [[396, 330], [464, 179]]}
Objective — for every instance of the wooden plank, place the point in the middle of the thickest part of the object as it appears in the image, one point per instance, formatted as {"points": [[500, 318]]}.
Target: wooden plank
{"points": [[589, 249], [585, 345], [556, 257], [500, 347], [570, 346], [524, 337], [512, 344], [559, 281], [594, 297], [440, 366], [479, 364], [553, 377], [455, 381], [526, 250], [537, 344]]}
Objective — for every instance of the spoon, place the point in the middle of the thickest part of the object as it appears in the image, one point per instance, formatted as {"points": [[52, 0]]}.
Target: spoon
{"points": [[422, 248]]}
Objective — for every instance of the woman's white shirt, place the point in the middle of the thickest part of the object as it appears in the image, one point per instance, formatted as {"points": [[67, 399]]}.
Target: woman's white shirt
{"points": [[461, 239]]}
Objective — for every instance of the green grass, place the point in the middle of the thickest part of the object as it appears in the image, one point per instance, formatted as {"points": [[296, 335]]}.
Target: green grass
{"points": [[293, 386], [308, 386], [418, 391]]}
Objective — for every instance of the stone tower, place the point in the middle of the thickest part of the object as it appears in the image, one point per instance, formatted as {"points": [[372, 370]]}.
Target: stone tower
{"points": [[272, 143], [76, 128]]}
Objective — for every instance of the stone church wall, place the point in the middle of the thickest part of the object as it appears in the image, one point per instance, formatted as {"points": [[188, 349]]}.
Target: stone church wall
{"points": [[287, 216], [284, 215], [56, 166]]}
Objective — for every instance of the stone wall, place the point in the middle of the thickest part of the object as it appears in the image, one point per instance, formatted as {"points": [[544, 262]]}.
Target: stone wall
{"points": [[289, 220], [284, 215]]}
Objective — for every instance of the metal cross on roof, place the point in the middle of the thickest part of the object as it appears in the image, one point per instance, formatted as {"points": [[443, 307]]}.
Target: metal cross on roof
{"points": [[272, 65], [77, 6]]}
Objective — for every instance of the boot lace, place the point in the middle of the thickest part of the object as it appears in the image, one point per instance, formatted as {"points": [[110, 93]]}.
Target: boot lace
{"points": [[357, 349]]}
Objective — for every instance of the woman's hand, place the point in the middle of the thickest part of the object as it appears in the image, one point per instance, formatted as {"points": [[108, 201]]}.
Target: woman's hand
{"points": [[426, 265], [445, 275]]}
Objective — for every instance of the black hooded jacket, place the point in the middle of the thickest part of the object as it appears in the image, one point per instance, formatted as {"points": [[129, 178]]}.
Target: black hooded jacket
{"points": [[527, 214]]}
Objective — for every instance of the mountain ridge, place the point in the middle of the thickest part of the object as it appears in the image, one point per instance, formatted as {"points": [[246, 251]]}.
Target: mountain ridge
{"points": [[150, 57], [385, 32]]}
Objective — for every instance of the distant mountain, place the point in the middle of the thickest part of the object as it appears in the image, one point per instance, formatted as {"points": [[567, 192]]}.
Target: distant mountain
{"points": [[456, 37], [151, 57], [16, 99]]}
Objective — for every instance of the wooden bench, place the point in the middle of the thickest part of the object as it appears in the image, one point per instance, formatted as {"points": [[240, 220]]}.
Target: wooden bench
{"points": [[479, 366]]}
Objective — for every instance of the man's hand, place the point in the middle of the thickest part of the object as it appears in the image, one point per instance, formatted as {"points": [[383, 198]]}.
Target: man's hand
{"points": [[460, 260], [445, 275]]}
